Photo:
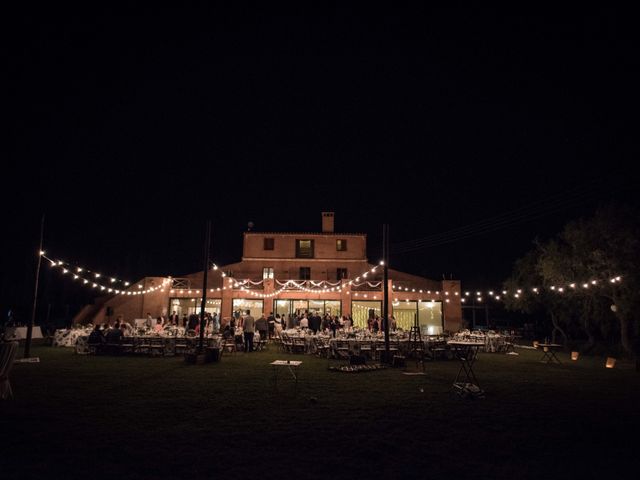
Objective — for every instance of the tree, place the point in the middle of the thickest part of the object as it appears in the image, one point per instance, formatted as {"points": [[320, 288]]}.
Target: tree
{"points": [[596, 261], [525, 293], [607, 247]]}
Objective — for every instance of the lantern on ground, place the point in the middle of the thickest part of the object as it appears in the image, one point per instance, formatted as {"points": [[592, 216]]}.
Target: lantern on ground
{"points": [[611, 362], [575, 355]]}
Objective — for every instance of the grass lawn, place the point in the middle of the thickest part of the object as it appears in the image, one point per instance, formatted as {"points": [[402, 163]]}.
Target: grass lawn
{"points": [[154, 418]]}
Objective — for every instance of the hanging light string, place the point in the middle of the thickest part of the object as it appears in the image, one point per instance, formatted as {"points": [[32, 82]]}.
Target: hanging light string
{"points": [[321, 283], [573, 287], [300, 285], [519, 292], [95, 281], [86, 272], [369, 284]]}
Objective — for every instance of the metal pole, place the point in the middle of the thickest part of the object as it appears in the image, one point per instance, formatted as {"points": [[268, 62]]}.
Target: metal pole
{"points": [[207, 243], [385, 290], [27, 345]]}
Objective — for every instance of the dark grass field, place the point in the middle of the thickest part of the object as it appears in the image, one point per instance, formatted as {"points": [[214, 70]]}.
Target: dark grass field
{"points": [[155, 418]]}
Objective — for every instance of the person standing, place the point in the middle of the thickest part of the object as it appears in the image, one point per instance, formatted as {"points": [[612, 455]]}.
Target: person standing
{"points": [[193, 321], [262, 325], [248, 328], [290, 322], [278, 324], [272, 324], [334, 325]]}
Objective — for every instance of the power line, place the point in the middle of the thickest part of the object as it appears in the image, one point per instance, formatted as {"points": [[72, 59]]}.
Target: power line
{"points": [[525, 213]]}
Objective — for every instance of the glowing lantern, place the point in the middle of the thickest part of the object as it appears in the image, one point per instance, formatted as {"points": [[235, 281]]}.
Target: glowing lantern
{"points": [[611, 362], [575, 355]]}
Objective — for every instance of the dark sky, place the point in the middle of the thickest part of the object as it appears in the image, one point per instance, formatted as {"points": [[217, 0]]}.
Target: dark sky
{"points": [[131, 127]]}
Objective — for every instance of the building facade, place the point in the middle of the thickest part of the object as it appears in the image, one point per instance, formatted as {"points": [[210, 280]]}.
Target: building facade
{"points": [[288, 273]]}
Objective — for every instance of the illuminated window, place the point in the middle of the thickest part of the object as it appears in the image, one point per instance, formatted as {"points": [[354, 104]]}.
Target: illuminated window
{"points": [[341, 245], [304, 248], [267, 272], [268, 243]]}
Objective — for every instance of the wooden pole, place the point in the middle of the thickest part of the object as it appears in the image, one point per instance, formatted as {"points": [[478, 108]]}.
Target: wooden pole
{"points": [[385, 290], [207, 243], [27, 345]]}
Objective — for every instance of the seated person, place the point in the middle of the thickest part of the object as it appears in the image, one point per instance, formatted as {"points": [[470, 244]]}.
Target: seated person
{"points": [[114, 335], [158, 326], [96, 337], [227, 332], [127, 329]]}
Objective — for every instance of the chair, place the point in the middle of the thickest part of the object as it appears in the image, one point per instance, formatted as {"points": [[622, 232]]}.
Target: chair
{"points": [[299, 345], [229, 344], [287, 343], [509, 344], [366, 348], [322, 347], [156, 346], [180, 346], [439, 349], [8, 352], [342, 351], [261, 344]]}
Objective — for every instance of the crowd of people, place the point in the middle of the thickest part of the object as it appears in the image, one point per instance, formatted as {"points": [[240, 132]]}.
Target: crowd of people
{"points": [[240, 323], [245, 325]]}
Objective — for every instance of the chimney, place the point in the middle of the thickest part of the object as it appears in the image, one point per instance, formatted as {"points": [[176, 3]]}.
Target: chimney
{"points": [[327, 222]]}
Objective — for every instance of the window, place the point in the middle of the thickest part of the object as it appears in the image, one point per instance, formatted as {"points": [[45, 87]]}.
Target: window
{"points": [[267, 272], [268, 243], [304, 248], [305, 273], [341, 273], [341, 245]]}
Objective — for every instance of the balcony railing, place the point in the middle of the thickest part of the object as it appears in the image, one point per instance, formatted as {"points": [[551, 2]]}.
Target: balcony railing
{"points": [[183, 283]]}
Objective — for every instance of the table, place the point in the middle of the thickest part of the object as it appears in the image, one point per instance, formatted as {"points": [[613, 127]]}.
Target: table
{"points": [[548, 352], [466, 352], [291, 365], [20, 333]]}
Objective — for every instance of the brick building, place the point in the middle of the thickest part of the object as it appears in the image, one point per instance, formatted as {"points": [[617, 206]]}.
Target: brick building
{"points": [[287, 273]]}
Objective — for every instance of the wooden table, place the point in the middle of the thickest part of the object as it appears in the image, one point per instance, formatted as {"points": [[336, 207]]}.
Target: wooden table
{"points": [[548, 352], [291, 365], [466, 352]]}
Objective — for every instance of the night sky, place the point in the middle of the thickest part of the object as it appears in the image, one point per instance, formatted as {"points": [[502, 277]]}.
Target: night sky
{"points": [[470, 132]]}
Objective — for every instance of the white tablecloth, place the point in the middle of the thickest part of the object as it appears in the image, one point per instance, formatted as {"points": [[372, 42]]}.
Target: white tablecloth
{"points": [[20, 333], [68, 338]]}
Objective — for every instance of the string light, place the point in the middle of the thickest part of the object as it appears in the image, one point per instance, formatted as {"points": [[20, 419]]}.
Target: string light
{"points": [[289, 285], [79, 269], [95, 285]]}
